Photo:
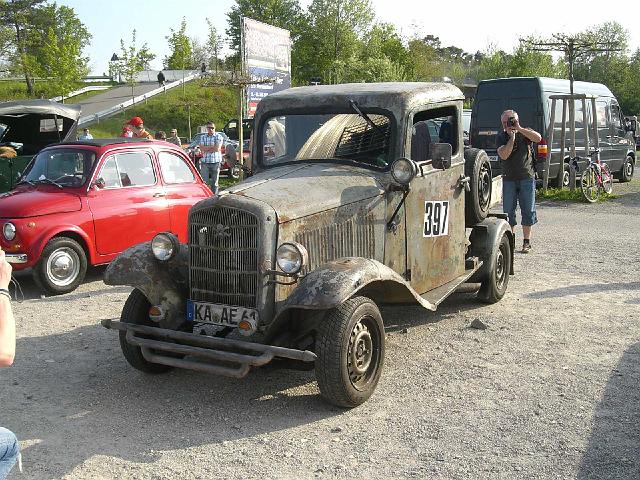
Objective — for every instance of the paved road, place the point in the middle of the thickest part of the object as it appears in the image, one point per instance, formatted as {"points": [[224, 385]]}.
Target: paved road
{"points": [[112, 97]]}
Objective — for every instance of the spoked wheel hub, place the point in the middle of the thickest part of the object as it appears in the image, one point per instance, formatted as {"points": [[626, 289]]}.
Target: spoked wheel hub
{"points": [[361, 354]]}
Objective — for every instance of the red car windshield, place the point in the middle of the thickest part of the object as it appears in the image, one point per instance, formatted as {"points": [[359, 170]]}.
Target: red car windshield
{"points": [[67, 167]]}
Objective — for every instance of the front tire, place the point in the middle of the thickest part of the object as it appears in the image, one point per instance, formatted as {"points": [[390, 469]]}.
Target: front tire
{"points": [[350, 347], [495, 285], [136, 311], [62, 266]]}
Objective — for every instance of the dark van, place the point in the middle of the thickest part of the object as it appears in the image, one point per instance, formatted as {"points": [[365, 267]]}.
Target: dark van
{"points": [[529, 96]]}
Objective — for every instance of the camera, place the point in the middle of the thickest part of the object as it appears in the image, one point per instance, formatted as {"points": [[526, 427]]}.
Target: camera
{"points": [[511, 122]]}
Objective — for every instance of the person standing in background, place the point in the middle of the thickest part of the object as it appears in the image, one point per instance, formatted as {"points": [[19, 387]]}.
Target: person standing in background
{"points": [[174, 138], [211, 146]]}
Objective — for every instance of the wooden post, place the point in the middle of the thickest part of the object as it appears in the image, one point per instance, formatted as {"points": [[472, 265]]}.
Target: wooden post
{"points": [[563, 142], [547, 159]]}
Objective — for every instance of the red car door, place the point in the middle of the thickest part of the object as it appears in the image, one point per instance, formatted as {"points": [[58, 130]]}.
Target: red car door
{"points": [[183, 188], [129, 205]]}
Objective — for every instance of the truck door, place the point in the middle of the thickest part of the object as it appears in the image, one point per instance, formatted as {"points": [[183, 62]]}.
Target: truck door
{"points": [[434, 208]]}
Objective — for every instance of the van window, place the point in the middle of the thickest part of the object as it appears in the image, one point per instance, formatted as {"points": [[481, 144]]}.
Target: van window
{"points": [[616, 119]]}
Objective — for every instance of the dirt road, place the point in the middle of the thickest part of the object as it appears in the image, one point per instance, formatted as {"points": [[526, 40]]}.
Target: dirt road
{"points": [[551, 389]]}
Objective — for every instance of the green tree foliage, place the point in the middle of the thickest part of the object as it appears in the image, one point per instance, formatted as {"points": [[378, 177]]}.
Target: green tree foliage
{"points": [[21, 17], [523, 62], [214, 46], [132, 60], [181, 49], [60, 57]]}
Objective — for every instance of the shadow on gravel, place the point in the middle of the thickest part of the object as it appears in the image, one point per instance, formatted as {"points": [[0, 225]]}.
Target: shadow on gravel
{"points": [[581, 289], [614, 446], [31, 291], [72, 396]]}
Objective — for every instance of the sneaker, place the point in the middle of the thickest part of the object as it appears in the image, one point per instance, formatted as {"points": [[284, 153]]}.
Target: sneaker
{"points": [[526, 247]]}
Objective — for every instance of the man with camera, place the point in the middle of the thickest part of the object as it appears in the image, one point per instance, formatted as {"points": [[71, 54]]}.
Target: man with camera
{"points": [[518, 175]]}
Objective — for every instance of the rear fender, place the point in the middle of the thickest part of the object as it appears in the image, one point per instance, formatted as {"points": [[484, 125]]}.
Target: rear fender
{"points": [[165, 284], [485, 238], [334, 282]]}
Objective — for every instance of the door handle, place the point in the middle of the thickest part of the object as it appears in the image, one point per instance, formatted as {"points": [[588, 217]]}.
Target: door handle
{"points": [[159, 194]]}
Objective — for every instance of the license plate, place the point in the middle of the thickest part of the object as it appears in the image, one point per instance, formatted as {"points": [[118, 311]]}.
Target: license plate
{"points": [[216, 314], [493, 158]]}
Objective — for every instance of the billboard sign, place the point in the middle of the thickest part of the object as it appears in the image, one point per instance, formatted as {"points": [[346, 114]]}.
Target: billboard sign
{"points": [[266, 54]]}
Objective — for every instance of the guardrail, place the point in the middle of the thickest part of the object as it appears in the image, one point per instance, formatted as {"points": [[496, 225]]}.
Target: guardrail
{"points": [[81, 90], [95, 117]]}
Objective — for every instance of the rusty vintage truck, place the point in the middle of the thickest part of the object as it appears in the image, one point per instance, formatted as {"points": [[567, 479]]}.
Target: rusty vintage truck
{"points": [[360, 195]]}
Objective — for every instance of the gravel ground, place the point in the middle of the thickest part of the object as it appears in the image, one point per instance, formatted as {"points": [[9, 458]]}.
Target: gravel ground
{"points": [[549, 390]]}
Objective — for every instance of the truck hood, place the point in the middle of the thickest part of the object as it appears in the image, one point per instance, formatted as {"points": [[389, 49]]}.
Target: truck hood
{"points": [[23, 203], [296, 191]]}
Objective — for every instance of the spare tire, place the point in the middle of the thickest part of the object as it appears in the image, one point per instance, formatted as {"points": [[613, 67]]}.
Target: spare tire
{"points": [[477, 201]]}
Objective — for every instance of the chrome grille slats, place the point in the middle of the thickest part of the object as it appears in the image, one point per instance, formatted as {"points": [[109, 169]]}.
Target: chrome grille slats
{"points": [[223, 249]]}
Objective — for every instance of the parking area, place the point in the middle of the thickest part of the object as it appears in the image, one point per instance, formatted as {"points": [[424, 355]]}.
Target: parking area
{"points": [[550, 389]]}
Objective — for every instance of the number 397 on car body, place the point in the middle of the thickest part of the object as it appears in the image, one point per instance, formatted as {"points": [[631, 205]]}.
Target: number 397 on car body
{"points": [[436, 218]]}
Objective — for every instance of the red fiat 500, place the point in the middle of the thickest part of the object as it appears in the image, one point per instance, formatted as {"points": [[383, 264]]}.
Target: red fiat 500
{"points": [[82, 203]]}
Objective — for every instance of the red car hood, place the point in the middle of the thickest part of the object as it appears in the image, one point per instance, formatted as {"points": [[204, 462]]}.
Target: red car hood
{"points": [[22, 203]]}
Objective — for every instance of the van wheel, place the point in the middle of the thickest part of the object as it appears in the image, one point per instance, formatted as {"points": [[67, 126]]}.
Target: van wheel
{"points": [[494, 286], [561, 181], [626, 174], [62, 266], [350, 349], [477, 201]]}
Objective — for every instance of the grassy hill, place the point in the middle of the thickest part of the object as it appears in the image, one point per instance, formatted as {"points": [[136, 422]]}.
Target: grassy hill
{"points": [[171, 110], [11, 90]]}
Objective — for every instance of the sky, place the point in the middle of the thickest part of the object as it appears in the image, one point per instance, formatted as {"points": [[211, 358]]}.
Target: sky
{"points": [[472, 25]]}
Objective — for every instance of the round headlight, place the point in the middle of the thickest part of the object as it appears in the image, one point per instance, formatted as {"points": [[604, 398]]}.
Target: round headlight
{"points": [[291, 257], [165, 246], [404, 170], [9, 231]]}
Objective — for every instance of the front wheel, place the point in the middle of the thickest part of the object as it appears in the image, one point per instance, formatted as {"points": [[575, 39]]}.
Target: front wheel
{"points": [[234, 172], [626, 174], [589, 184], [136, 311], [350, 349], [607, 178], [494, 286], [62, 266]]}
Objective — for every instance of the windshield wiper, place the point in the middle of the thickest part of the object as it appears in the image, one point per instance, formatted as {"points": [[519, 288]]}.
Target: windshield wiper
{"points": [[354, 106], [48, 180], [26, 181]]}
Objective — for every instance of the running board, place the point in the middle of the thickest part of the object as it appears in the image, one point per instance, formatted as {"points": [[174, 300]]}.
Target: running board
{"points": [[437, 295]]}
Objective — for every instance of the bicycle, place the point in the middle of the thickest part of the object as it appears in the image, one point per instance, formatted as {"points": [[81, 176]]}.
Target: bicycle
{"points": [[596, 178]]}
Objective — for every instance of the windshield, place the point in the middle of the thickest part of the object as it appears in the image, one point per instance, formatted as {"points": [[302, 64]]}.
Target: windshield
{"points": [[346, 136], [3, 128], [68, 167]]}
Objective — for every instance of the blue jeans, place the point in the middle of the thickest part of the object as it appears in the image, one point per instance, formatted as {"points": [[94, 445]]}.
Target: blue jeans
{"points": [[210, 173], [9, 450], [521, 192]]}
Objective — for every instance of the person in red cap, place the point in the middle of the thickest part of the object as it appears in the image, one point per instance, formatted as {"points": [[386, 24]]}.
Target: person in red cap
{"points": [[137, 127]]}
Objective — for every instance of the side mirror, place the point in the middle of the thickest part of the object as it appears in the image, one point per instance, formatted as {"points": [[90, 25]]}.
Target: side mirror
{"points": [[440, 154], [99, 183]]}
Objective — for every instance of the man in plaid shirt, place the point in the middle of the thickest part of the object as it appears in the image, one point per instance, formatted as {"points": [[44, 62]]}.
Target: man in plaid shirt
{"points": [[211, 145]]}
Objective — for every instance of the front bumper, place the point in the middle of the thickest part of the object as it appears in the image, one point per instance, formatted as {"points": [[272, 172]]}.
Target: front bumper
{"points": [[16, 258], [220, 356]]}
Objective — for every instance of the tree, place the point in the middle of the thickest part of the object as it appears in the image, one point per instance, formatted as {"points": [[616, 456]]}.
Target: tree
{"points": [[21, 16], [131, 61], [214, 45], [181, 50], [60, 56]]}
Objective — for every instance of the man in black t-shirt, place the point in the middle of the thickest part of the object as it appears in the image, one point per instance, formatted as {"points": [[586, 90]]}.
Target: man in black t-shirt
{"points": [[518, 177]]}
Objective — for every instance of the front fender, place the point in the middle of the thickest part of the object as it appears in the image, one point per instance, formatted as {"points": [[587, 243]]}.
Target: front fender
{"points": [[334, 282], [165, 284]]}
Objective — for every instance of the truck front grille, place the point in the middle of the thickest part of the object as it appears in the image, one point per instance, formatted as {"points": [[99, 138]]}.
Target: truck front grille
{"points": [[223, 250]]}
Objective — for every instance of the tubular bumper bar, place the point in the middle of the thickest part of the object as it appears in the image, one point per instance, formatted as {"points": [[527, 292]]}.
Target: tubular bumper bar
{"points": [[235, 357]]}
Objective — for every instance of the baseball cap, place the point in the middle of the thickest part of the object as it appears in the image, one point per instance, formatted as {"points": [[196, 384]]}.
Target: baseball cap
{"points": [[135, 121]]}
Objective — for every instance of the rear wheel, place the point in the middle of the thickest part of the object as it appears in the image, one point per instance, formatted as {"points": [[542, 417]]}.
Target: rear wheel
{"points": [[477, 201], [626, 174], [62, 266], [494, 286], [136, 311], [350, 349], [589, 184], [234, 172]]}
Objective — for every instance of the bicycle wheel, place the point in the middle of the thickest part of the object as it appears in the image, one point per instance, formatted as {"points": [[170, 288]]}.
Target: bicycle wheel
{"points": [[589, 184], [607, 178]]}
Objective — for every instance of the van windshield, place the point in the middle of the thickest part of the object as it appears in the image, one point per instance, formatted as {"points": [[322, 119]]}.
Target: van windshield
{"points": [[315, 137]]}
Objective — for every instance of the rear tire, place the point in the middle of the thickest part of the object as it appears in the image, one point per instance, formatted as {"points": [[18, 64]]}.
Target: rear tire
{"points": [[350, 349], [589, 184], [495, 285], [477, 201], [136, 311], [628, 167]]}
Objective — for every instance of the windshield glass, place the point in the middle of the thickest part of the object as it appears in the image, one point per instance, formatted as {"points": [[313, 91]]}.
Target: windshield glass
{"points": [[344, 136], [68, 167]]}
